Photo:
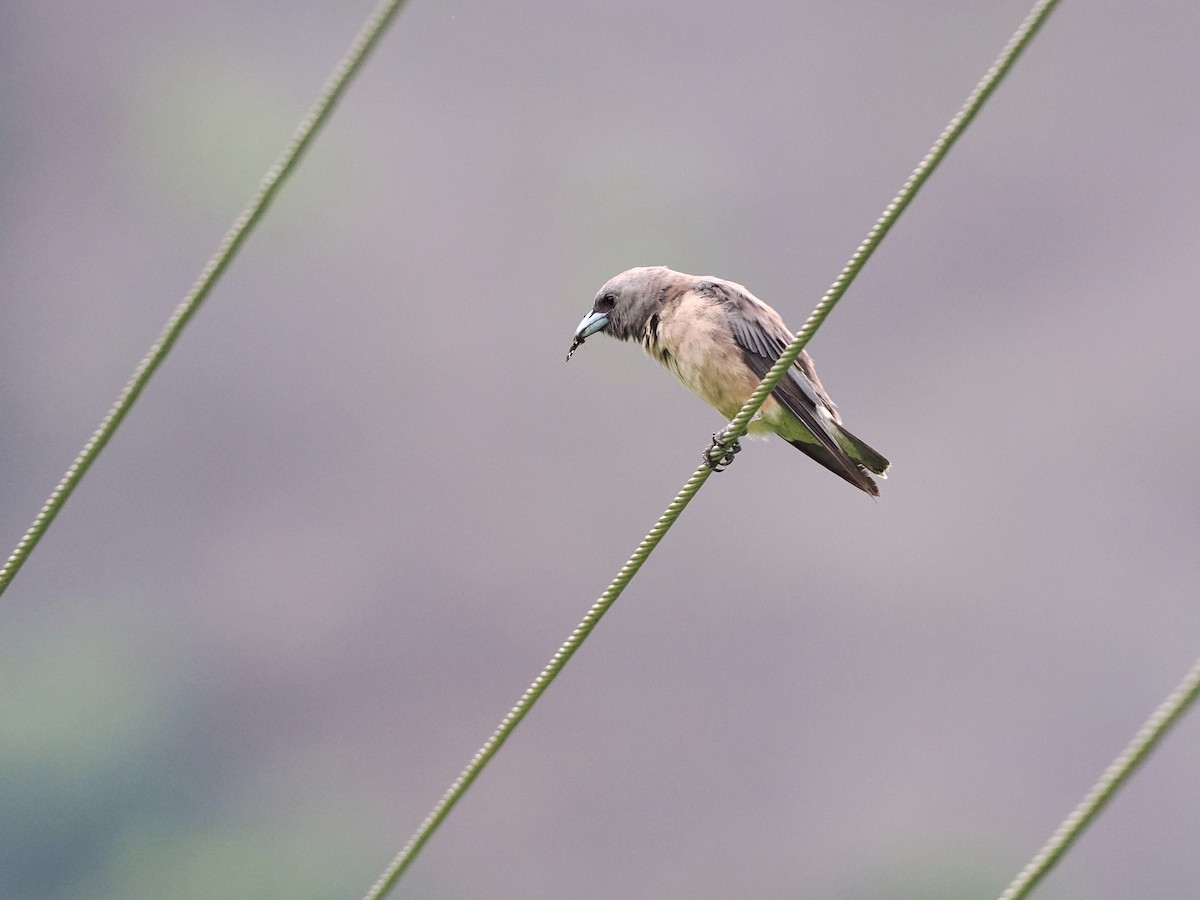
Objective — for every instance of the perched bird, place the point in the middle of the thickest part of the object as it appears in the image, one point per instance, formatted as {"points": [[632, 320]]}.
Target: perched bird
{"points": [[720, 340]]}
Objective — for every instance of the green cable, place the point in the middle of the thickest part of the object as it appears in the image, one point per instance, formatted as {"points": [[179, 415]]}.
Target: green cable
{"points": [[1168, 713], [735, 429], [368, 36]]}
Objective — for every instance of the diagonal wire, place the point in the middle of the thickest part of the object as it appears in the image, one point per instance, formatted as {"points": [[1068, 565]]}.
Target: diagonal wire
{"points": [[317, 115], [950, 134], [1168, 713], [1016, 44]]}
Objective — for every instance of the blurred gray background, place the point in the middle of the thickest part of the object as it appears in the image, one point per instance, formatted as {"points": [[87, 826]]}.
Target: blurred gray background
{"points": [[365, 499]]}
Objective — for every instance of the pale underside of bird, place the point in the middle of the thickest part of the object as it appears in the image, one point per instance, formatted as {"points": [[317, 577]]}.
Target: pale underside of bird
{"points": [[720, 340]]}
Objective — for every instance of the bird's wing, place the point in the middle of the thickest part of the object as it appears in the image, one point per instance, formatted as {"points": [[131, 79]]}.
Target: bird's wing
{"points": [[760, 333]]}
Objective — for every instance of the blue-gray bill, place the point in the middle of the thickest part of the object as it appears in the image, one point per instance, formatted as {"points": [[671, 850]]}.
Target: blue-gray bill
{"points": [[720, 340], [592, 322]]}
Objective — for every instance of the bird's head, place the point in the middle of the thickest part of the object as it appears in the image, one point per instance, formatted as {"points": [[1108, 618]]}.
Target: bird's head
{"points": [[626, 302]]}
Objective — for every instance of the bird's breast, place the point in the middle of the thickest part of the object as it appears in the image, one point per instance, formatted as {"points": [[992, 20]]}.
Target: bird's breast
{"points": [[697, 346]]}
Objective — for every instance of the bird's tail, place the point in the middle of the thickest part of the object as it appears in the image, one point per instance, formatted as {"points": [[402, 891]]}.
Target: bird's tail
{"points": [[850, 469], [860, 452]]}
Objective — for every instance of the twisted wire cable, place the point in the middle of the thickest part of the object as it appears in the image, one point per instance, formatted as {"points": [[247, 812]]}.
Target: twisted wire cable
{"points": [[317, 115], [1155, 728], [1016, 44]]}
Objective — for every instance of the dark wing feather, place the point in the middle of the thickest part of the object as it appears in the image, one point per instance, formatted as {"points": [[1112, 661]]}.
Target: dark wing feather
{"points": [[754, 338], [763, 337]]}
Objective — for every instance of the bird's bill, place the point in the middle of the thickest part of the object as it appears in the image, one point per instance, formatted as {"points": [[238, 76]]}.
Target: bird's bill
{"points": [[592, 322]]}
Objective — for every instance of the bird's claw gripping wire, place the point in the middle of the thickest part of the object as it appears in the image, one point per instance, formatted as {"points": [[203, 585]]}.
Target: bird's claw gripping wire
{"points": [[718, 456]]}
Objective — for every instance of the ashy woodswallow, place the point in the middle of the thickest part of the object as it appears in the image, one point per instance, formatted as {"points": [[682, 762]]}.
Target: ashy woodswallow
{"points": [[720, 340]]}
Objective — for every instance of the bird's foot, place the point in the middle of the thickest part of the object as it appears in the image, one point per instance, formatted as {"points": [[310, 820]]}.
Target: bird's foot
{"points": [[718, 456]]}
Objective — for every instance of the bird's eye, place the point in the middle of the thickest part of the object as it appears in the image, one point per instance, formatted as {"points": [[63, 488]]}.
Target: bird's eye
{"points": [[606, 303]]}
